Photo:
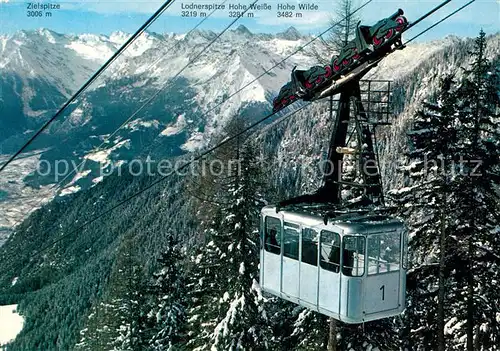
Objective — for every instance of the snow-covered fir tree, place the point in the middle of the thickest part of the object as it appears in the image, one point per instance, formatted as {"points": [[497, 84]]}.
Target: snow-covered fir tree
{"points": [[451, 203], [310, 330], [425, 203], [226, 311], [477, 208], [167, 315], [116, 322]]}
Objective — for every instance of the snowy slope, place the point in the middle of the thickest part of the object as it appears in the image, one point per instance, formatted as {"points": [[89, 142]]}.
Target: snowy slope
{"points": [[11, 324], [66, 60]]}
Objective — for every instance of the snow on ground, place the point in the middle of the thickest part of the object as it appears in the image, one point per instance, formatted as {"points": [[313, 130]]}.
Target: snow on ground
{"points": [[47, 34], [91, 49], [70, 190], [453, 325], [97, 180], [255, 92], [103, 155], [119, 37], [406, 60], [194, 143], [136, 123], [200, 70], [4, 43], [78, 116], [282, 46], [144, 42], [11, 324], [80, 175], [176, 128]]}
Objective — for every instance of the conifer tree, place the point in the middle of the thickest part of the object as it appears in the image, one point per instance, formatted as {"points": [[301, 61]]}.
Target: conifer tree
{"points": [[115, 323], [344, 24], [167, 315], [227, 307], [454, 214], [424, 204], [309, 332], [478, 204]]}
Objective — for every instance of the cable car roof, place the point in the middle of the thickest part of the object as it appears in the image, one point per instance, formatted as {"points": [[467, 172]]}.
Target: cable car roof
{"points": [[349, 222]]}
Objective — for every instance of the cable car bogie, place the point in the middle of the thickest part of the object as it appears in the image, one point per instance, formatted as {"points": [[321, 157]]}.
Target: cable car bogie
{"points": [[370, 44]]}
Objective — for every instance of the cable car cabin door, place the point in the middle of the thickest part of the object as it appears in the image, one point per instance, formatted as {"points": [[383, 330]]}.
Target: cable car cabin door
{"points": [[309, 267], [270, 260], [383, 280], [290, 267], [329, 272]]}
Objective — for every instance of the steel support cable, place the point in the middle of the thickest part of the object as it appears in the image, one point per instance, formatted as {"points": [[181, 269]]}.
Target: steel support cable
{"points": [[427, 14], [91, 79], [191, 61], [276, 65], [248, 84], [147, 69], [184, 166], [147, 101], [229, 97], [126, 121], [154, 96], [320, 36], [203, 154], [280, 62], [443, 19]]}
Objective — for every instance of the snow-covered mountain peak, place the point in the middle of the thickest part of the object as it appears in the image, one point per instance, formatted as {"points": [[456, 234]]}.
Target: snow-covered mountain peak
{"points": [[93, 38], [290, 34], [200, 35], [31, 62], [48, 34], [92, 47], [243, 30], [119, 37]]}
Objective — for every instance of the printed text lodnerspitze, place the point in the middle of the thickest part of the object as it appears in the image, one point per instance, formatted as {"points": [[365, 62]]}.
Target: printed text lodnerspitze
{"points": [[282, 9]]}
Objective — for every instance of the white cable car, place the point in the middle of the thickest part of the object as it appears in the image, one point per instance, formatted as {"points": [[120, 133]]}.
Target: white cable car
{"points": [[301, 261]]}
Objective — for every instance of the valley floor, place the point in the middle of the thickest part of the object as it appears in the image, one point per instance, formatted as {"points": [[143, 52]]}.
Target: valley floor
{"points": [[17, 200]]}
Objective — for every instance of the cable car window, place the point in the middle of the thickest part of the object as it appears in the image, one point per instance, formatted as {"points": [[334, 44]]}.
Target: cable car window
{"points": [[330, 251], [291, 240], [272, 235], [405, 249], [310, 246], [262, 230], [353, 256], [384, 252]]}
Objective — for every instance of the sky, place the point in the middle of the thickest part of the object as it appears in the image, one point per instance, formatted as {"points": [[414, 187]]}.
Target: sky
{"points": [[105, 17]]}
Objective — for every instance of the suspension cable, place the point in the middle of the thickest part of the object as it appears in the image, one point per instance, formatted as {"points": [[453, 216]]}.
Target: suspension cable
{"points": [[213, 108], [91, 79], [280, 62], [201, 156], [187, 164], [138, 110], [435, 24], [154, 96]]}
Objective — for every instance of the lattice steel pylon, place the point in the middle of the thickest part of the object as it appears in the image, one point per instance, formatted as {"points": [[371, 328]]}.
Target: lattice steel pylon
{"points": [[359, 112]]}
